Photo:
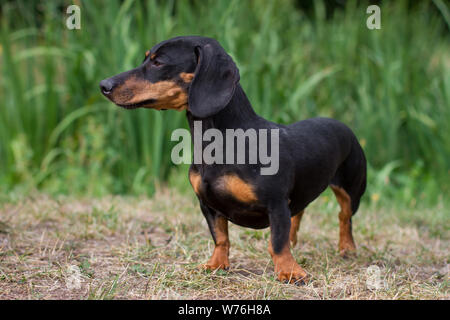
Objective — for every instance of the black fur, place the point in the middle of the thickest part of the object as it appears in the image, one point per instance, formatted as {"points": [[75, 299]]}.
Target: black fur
{"points": [[314, 153]]}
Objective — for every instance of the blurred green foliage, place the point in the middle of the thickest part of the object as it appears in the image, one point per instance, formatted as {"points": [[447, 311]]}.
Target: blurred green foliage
{"points": [[392, 86]]}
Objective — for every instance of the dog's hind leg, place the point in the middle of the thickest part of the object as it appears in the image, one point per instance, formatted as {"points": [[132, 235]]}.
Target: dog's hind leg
{"points": [[346, 243], [295, 225], [348, 185]]}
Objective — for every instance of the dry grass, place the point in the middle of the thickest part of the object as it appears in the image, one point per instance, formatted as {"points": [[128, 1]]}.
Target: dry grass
{"points": [[140, 248]]}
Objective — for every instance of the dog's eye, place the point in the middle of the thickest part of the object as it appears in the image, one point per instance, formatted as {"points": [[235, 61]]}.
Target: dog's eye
{"points": [[157, 63]]}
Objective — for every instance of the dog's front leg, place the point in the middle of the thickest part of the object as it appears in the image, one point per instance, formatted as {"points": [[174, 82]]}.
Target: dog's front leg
{"points": [[286, 267], [218, 227]]}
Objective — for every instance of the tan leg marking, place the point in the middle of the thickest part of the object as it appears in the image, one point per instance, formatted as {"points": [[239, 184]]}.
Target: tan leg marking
{"points": [[346, 243], [219, 258], [196, 180], [286, 268], [238, 188], [295, 225]]}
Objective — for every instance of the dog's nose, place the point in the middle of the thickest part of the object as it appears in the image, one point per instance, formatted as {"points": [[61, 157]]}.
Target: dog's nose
{"points": [[106, 86]]}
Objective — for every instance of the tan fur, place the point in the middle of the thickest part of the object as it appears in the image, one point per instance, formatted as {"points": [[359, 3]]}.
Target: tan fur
{"points": [[196, 181], [219, 258], [147, 53], [286, 267], [295, 225], [238, 188], [346, 242], [187, 77], [168, 94]]}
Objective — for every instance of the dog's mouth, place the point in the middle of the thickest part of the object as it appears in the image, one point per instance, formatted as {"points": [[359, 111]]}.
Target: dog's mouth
{"points": [[137, 105]]}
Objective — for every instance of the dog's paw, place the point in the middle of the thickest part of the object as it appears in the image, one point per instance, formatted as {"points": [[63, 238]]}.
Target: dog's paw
{"points": [[347, 249], [214, 266], [294, 275]]}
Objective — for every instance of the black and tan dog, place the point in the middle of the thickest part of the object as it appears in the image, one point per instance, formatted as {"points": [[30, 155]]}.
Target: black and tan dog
{"points": [[196, 74]]}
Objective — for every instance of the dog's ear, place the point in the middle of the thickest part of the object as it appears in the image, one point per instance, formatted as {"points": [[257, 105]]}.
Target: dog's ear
{"points": [[215, 80]]}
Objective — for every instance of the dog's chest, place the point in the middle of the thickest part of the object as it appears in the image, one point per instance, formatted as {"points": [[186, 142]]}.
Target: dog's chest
{"points": [[230, 195], [218, 186]]}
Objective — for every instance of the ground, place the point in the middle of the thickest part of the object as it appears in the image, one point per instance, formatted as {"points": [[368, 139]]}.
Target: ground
{"points": [[150, 248]]}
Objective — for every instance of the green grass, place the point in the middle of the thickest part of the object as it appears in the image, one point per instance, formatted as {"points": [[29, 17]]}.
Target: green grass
{"points": [[57, 133], [150, 248]]}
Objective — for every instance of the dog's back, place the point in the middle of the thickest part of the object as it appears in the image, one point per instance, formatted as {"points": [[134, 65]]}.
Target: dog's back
{"points": [[327, 153]]}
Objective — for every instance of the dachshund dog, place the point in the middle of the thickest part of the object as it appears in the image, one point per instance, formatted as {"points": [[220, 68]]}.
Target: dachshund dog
{"points": [[195, 74]]}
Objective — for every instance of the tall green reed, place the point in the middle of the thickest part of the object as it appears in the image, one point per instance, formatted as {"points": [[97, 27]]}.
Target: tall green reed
{"points": [[57, 132]]}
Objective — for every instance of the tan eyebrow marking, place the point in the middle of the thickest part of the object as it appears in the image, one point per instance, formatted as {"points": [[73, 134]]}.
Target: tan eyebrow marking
{"points": [[147, 53]]}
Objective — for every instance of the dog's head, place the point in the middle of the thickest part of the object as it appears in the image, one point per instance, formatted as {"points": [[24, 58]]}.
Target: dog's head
{"points": [[193, 73]]}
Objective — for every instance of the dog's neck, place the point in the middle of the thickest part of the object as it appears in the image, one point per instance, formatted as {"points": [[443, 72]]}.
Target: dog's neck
{"points": [[237, 114]]}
